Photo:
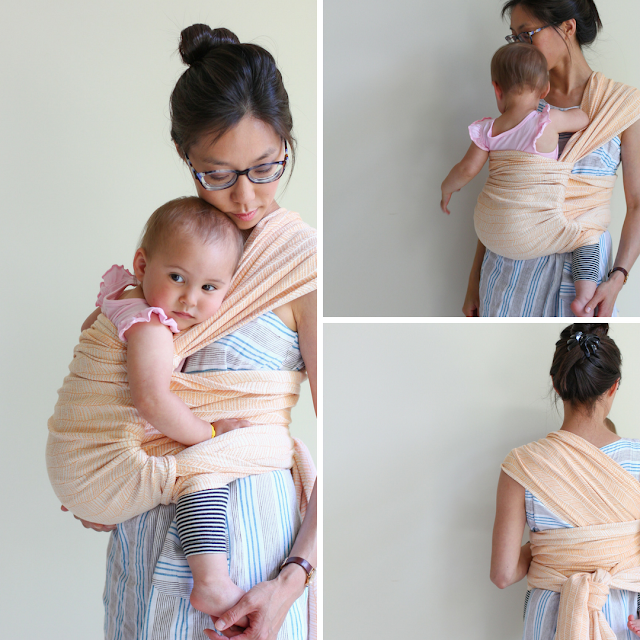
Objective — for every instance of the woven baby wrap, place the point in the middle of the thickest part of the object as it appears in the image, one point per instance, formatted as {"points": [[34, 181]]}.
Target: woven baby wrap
{"points": [[533, 206], [106, 464], [584, 487]]}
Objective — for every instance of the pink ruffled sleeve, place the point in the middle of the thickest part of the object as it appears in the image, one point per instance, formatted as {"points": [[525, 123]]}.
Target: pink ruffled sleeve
{"points": [[114, 282], [478, 132], [137, 310], [543, 120], [125, 313]]}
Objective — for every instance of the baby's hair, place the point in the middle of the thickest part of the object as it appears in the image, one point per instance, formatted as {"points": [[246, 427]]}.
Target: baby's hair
{"points": [[194, 217], [517, 66], [582, 380]]}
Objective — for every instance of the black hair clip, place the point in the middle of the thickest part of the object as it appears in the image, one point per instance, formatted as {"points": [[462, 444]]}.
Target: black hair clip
{"points": [[588, 342]]}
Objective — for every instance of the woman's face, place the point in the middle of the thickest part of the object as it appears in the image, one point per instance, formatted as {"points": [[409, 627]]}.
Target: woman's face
{"points": [[551, 43], [251, 142]]}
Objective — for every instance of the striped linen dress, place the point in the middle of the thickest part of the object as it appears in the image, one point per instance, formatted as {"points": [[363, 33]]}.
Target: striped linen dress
{"points": [[543, 287], [541, 606], [148, 580]]}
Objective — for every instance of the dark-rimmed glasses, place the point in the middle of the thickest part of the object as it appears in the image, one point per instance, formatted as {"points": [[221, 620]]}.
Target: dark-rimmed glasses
{"points": [[525, 36], [225, 178]]}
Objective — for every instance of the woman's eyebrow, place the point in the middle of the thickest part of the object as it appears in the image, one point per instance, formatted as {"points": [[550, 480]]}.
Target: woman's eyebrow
{"points": [[269, 152]]}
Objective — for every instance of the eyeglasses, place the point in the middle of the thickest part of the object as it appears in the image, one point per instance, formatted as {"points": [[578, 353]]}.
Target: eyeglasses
{"points": [[525, 36], [225, 178]]}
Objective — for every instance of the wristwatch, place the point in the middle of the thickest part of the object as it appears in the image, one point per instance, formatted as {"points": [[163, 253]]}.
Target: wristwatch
{"points": [[624, 272], [309, 570]]}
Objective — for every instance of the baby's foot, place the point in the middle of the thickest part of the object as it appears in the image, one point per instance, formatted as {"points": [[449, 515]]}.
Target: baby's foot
{"points": [[216, 596], [634, 625], [578, 306]]}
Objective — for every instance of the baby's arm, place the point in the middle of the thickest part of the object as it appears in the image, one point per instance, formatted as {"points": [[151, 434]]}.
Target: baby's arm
{"points": [[467, 169], [568, 121], [149, 367]]}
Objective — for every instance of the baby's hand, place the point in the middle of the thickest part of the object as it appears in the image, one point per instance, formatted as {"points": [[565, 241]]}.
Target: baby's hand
{"points": [[229, 424], [634, 625], [444, 202]]}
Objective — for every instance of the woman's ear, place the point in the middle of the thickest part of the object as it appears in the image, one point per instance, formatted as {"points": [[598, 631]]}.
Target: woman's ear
{"points": [[568, 28], [140, 262], [179, 150]]}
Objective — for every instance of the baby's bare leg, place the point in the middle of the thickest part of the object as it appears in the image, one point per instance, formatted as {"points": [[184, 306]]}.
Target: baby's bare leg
{"points": [[213, 590], [202, 526], [585, 290]]}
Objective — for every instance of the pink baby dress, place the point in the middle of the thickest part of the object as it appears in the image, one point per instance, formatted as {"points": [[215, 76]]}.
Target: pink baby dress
{"points": [[125, 313], [521, 138]]}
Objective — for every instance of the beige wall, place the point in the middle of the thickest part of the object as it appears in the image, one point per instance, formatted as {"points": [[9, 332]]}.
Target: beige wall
{"points": [[86, 158], [416, 428], [402, 81]]}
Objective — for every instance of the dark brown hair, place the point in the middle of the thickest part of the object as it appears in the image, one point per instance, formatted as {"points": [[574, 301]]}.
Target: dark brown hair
{"points": [[517, 66], [225, 82], [555, 12], [582, 380], [192, 216]]}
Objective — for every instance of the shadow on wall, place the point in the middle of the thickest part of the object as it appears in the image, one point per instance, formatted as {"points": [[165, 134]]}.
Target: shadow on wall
{"points": [[389, 141]]}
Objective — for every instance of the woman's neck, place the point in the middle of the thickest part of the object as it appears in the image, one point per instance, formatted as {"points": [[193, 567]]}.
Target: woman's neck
{"points": [[591, 427], [568, 80]]}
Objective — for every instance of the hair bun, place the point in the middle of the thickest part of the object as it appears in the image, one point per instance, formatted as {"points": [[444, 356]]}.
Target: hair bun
{"points": [[198, 39], [600, 329]]}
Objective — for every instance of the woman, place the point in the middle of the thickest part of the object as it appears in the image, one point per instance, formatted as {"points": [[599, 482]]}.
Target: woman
{"points": [[567, 489], [500, 286], [232, 126]]}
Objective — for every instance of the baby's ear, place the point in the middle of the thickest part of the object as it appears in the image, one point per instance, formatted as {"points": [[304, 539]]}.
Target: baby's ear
{"points": [[140, 262]]}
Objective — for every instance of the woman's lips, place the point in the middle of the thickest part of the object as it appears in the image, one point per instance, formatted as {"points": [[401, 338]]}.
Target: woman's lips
{"points": [[245, 217]]}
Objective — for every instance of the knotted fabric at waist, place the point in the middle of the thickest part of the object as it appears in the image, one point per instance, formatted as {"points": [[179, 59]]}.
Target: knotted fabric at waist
{"points": [[583, 564], [533, 206]]}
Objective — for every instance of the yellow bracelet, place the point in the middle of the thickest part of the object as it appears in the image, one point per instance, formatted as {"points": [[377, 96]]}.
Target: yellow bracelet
{"points": [[213, 431]]}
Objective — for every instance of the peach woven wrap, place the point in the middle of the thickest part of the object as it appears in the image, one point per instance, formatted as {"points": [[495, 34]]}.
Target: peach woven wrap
{"points": [[584, 487], [533, 206], [106, 464]]}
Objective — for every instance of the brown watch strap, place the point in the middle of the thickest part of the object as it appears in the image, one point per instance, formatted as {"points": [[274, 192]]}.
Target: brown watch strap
{"points": [[309, 570], [624, 272]]}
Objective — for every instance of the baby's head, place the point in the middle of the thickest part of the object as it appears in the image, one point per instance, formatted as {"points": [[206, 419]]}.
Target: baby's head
{"points": [[519, 70], [188, 254]]}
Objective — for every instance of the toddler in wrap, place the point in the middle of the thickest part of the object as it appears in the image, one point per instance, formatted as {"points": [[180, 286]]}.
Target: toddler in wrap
{"points": [[187, 257], [520, 79]]}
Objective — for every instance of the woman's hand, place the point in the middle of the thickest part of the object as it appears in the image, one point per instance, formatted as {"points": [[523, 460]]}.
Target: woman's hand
{"points": [[266, 606], [605, 297], [471, 306], [91, 525]]}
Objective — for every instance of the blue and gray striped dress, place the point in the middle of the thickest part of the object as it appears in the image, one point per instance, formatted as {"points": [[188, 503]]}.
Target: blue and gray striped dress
{"points": [[541, 605], [148, 581], [543, 287]]}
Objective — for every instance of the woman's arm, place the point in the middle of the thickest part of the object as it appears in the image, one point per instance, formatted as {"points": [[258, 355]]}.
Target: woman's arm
{"points": [[267, 604], [629, 247], [467, 169], [471, 306], [510, 559]]}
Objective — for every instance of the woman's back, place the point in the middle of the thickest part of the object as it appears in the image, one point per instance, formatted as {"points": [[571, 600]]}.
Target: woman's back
{"points": [[541, 606]]}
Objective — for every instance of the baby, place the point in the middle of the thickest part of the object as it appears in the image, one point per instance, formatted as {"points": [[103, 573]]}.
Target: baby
{"points": [[521, 80], [187, 257]]}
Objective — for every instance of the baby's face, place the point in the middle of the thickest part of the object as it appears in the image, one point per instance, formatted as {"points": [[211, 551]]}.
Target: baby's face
{"points": [[188, 279]]}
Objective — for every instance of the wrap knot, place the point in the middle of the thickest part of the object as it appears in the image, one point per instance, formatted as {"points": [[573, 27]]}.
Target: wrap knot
{"points": [[597, 584]]}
